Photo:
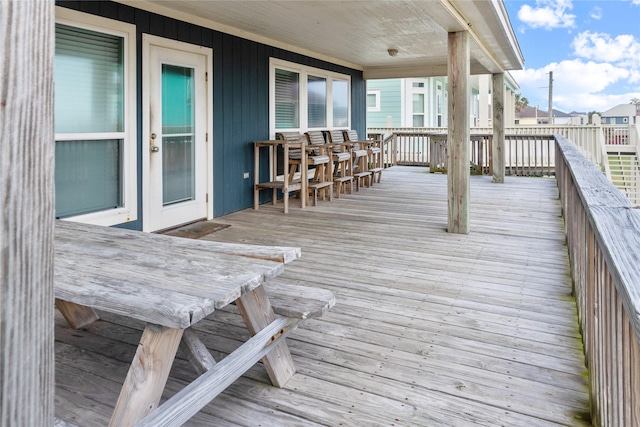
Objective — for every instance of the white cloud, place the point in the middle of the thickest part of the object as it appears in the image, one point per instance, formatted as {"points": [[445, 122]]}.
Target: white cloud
{"points": [[548, 14], [577, 85], [624, 50], [596, 13]]}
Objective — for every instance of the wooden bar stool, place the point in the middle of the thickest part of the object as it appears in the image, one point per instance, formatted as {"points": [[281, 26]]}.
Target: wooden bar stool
{"points": [[359, 170], [340, 166], [374, 153], [317, 156]]}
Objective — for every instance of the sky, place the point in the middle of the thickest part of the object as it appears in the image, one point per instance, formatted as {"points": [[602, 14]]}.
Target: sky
{"points": [[591, 46]]}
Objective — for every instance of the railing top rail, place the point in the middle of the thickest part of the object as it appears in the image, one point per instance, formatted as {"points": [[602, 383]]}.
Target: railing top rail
{"points": [[473, 135], [615, 222], [529, 136], [409, 133]]}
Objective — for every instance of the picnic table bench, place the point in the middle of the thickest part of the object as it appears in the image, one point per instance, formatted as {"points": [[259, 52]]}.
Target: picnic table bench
{"points": [[171, 283]]}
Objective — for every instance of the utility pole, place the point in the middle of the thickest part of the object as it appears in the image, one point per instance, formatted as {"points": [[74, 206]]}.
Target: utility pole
{"points": [[550, 97]]}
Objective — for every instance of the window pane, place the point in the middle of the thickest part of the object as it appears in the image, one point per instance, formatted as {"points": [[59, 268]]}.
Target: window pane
{"points": [[340, 103], [317, 101], [372, 100], [418, 84], [89, 81], [87, 176], [287, 97], [177, 99], [178, 155], [418, 121], [418, 103]]}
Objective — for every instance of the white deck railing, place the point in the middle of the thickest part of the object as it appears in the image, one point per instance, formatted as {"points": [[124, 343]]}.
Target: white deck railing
{"points": [[529, 150], [409, 141], [525, 154]]}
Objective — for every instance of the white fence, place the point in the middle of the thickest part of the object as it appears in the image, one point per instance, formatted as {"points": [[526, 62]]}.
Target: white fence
{"points": [[589, 139], [528, 150]]}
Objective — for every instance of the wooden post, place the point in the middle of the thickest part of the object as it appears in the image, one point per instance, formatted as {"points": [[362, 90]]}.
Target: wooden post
{"points": [[458, 134], [26, 214], [497, 150]]}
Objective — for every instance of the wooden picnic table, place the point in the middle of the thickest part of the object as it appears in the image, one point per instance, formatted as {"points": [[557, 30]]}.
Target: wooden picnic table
{"points": [[171, 283]]}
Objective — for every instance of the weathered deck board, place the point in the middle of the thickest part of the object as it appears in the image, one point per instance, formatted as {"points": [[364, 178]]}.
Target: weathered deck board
{"points": [[429, 328]]}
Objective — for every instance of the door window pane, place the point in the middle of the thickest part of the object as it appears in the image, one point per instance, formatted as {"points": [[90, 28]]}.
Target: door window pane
{"points": [[89, 81], [340, 103], [287, 99], [317, 101], [88, 176], [178, 155]]}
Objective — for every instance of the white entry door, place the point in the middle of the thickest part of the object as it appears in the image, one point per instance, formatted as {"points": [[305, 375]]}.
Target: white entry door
{"points": [[176, 151]]}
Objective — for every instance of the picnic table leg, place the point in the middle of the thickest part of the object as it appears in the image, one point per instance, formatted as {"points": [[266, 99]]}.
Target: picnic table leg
{"points": [[196, 352], [256, 311], [76, 315], [147, 374]]}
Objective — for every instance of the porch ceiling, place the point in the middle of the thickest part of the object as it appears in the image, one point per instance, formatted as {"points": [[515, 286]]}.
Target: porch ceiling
{"points": [[358, 33]]}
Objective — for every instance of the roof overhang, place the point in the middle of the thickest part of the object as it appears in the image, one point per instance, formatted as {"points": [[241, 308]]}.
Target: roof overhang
{"points": [[358, 34]]}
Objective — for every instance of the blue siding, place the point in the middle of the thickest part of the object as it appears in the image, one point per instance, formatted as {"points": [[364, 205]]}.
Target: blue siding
{"points": [[240, 95]]}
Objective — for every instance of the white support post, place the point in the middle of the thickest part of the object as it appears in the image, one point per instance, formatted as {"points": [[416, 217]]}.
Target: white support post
{"points": [[27, 213], [458, 134], [510, 109], [483, 104], [498, 144]]}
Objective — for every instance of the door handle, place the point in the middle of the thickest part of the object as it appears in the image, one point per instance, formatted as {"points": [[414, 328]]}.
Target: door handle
{"points": [[153, 147]]}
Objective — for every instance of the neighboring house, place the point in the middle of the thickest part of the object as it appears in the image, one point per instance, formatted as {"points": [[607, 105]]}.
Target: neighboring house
{"points": [[623, 114], [158, 102], [562, 118], [530, 116], [422, 102], [407, 102], [579, 118], [534, 116]]}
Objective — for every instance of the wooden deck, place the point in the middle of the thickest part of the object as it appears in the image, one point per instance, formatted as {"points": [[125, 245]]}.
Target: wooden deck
{"points": [[429, 328]]}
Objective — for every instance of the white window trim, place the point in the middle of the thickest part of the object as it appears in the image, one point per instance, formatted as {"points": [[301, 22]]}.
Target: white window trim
{"points": [[305, 71], [129, 210], [410, 90], [376, 108]]}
